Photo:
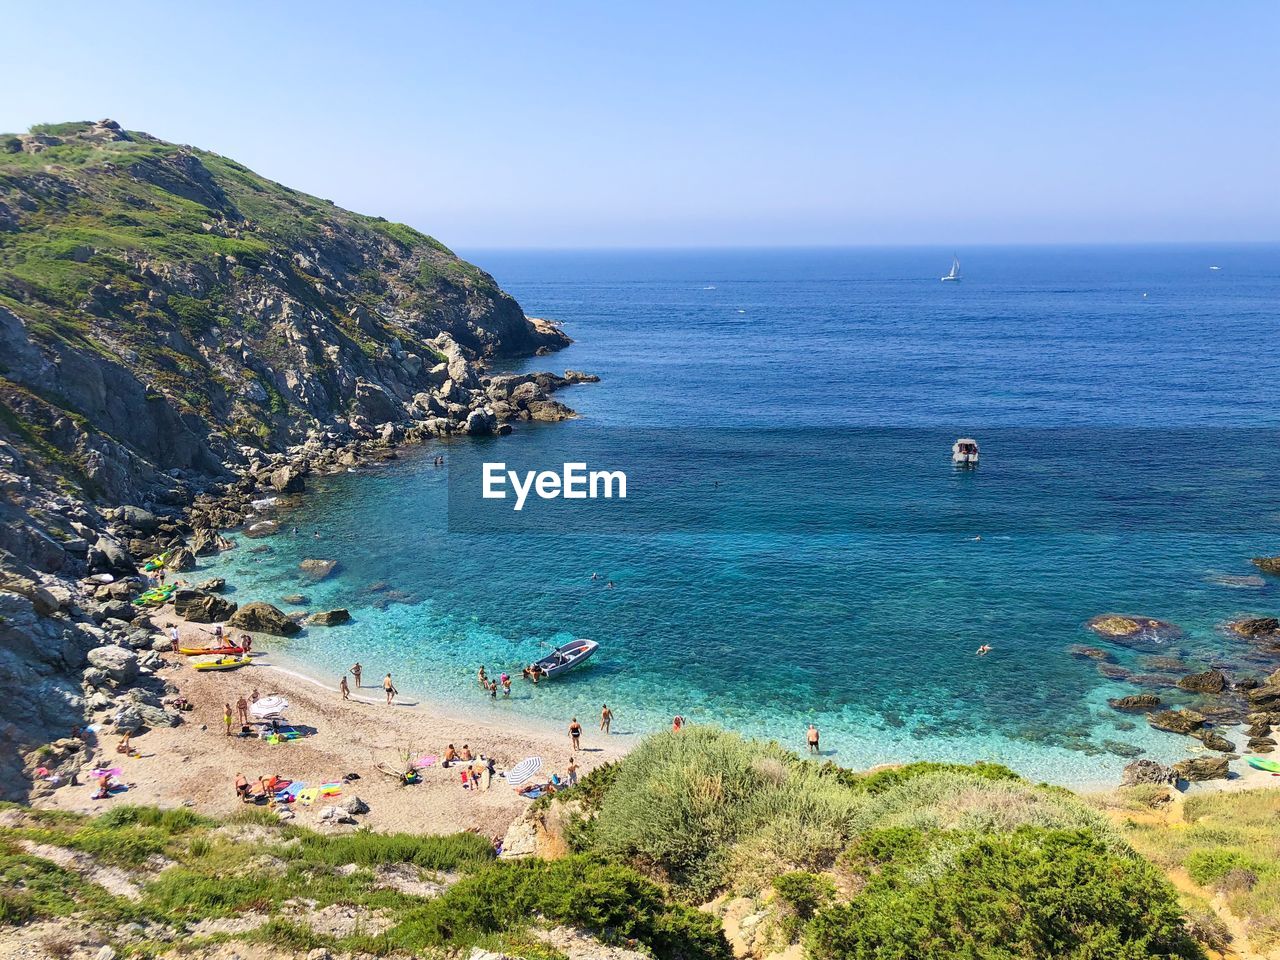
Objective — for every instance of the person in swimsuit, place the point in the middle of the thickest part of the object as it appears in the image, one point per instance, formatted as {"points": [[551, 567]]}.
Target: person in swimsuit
{"points": [[242, 788], [572, 771], [606, 718], [242, 710], [345, 690], [575, 731], [483, 678], [812, 737], [226, 717], [389, 688], [506, 685], [355, 672]]}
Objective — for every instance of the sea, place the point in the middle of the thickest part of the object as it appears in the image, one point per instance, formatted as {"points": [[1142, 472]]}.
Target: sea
{"points": [[796, 545]]}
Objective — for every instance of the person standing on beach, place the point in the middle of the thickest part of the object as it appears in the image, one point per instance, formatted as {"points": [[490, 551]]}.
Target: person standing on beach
{"points": [[242, 710], [575, 731], [812, 737], [345, 690], [390, 688], [573, 772], [173, 637], [606, 718], [355, 672], [226, 717]]}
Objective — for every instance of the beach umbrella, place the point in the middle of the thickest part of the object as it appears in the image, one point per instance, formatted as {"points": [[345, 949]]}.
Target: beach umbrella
{"points": [[268, 707], [523, 770]]}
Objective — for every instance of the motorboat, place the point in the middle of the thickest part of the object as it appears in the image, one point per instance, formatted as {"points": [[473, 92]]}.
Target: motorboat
{"points": [[955, 270], [565, 658], [965, 452]]}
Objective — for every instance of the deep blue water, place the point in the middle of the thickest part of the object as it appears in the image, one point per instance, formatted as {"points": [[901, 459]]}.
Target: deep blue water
{"points": [[795, 545]]}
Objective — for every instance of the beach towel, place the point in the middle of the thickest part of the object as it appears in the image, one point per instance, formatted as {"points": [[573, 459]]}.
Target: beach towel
{"points": [[425, 761], [290, 793], [533, 794]]}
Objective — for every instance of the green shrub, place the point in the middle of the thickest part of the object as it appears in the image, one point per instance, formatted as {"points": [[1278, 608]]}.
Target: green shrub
{"points": [[803, 895], [173, 821], [681, 802], [612, 901], [1208, 867], [1033, 893], [366, 848], [891, 777]]}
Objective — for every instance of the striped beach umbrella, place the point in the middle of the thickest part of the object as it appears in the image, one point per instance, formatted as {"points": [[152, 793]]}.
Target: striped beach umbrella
{"points": [[523, 770]]}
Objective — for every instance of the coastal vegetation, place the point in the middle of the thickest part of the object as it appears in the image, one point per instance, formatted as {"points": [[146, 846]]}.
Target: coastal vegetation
{"points": [[664, 846]]}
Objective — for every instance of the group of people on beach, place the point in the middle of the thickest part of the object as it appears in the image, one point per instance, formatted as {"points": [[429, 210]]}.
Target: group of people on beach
{"points": [[490, 685], [388, 688], [242, 711]]}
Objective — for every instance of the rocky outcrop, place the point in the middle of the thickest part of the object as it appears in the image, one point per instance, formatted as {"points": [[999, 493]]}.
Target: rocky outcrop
{"points": [[1137, 701], [1215, 741], [260, 617], [200, 607], [1196, 769], [1145, 771], [1267, 564], [1255, 627], [1210, 681], [1176, 721], [330, 618], [1134, 631]]}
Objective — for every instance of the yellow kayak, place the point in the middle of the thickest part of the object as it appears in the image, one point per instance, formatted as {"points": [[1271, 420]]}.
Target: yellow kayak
{"points": [[221, 663]]}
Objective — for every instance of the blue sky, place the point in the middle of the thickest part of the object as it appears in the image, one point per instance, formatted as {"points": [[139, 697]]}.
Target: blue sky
{"points": [[673, 124]]}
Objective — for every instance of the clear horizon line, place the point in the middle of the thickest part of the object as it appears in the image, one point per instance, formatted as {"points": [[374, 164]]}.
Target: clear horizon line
{"points": [[912, 245]]}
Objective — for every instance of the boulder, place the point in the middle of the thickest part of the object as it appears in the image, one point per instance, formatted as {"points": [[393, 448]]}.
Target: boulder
{"points": [[1267, 695], [335, 815], [1133, 630], [181, 559], [1176, 721], [353, 805], [1267, 564], [287, 480], [1261, 744], [317, 570], [480, 423], [108, 556], [577, 376], [1137, 701], [1216, 741], [1211, 681], [297, 599], [1252, 627], [330, 618], [212, 585], [200, 607], [115, 610], [119, 665], [136, 517], [259, 617], [1202, 768], [1145, 771]]}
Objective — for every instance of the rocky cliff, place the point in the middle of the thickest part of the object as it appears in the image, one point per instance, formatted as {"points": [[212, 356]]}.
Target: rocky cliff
{"points": [[176, 330]]}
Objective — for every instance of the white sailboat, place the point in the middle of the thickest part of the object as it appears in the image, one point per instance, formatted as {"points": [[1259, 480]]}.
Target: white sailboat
{"points": [[955, 269]]}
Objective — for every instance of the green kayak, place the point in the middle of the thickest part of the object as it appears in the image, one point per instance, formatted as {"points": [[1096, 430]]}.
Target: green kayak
{"points": [[1258, 763]]}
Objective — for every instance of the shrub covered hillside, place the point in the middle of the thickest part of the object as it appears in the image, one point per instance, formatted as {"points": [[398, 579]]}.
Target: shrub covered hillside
{"points": [[150, 883], [919, 862], [161, 305]]}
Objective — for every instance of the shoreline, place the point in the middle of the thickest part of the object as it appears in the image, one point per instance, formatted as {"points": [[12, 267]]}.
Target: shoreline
{"points": [[194, 763]]}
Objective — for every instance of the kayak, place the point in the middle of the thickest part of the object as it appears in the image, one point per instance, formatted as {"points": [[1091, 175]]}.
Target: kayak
{"points": [[155, 597], [1259, 763], [156, 562], [220, 663], [209, 651]]}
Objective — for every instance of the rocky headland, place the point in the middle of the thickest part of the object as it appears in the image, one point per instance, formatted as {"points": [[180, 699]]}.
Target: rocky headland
{"points": [[181, 341]]}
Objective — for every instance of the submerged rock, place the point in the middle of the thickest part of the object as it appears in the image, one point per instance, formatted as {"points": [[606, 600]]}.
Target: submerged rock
{"points": [[318, 569], [1252, 627], [1267, 564], [1138, 701], [1083, 652]]}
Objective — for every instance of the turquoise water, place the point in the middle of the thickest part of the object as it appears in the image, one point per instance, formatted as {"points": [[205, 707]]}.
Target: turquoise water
{"points": [[795, 545]]}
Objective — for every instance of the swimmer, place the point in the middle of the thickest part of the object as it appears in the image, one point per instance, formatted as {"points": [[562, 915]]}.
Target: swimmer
{"points": [[983, 650]]}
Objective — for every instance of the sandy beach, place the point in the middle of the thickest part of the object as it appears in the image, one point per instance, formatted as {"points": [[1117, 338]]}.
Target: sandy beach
{"points": [[195, 763]]}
